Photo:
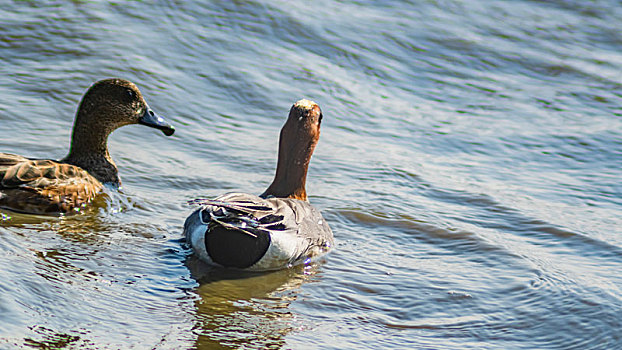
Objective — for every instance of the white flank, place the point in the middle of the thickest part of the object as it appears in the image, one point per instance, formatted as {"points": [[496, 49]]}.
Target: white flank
{"points": [[197, 240], [282, 249]]}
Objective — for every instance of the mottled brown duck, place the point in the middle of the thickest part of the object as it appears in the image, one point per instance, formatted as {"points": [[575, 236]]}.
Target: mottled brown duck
{"points": [[277, 229], [42, 186]]}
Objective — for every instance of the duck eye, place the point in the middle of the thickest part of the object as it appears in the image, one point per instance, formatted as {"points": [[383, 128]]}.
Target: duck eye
{"points": [[130, 93], [319, 121]]}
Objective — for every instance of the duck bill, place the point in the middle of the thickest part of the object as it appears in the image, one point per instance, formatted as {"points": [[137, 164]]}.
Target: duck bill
{"points": [[150, 119]]}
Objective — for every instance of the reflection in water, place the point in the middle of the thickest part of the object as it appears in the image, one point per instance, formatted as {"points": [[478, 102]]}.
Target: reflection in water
{"points": [[239, 309], [61, 266], [53, 340], [55, 250]]}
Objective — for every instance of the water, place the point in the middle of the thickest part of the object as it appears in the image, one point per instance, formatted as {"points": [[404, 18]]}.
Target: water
{"points": [[469, 165]]}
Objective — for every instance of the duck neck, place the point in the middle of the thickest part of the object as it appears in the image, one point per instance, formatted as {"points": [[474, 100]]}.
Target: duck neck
{"points": [[89, 151], [291, 171]]}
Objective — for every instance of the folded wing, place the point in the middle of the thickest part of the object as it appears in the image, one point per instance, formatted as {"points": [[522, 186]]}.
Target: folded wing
{"points": [[295, 229], [44, 186]]}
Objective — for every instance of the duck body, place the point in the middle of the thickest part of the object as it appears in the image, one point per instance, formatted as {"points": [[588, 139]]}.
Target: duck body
{"points": [[43, 186], [245, 231], [277, 229]]}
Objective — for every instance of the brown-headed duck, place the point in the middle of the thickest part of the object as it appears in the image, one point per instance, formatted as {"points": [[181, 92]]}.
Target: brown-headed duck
{"points": [[41, 186], [277, 229]]}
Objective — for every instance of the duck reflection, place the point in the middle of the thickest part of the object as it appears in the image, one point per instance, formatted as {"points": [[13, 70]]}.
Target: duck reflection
{"points": [[238, 309], [63, 247]]}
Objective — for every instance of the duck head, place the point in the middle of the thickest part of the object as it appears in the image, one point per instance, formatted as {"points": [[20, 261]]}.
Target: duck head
{"points": [[112, 103], [108, 105], [297, 141]]}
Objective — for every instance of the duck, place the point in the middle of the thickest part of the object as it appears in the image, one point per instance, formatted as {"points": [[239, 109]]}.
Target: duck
{"points": [[66, 186], [276, 229]]}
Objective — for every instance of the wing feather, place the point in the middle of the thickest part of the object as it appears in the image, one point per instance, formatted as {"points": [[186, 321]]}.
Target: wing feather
{"points": [[296, 228], [44, 186]]}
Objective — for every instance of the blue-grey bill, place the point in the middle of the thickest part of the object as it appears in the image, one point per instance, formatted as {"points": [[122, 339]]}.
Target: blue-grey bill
{"points": [[149, 118]]}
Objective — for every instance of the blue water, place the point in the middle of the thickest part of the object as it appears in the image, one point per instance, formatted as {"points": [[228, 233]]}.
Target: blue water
{"points": [[469, 166]]}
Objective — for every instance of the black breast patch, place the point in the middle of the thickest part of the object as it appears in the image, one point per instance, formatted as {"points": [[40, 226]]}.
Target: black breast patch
{"points": [[234, 248]]}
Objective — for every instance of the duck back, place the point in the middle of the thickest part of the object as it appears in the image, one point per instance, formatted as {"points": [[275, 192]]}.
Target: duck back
{"points": [[246, 231]]}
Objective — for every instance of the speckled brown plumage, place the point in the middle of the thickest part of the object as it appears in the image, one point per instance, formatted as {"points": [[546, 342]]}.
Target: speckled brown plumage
{"points": [[44, 186], [49, 187]]}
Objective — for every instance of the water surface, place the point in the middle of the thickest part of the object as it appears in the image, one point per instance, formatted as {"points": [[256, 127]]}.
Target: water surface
{"points": [[469, 165]]}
